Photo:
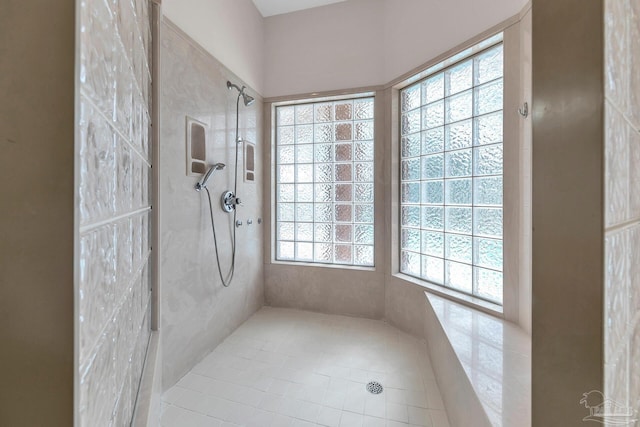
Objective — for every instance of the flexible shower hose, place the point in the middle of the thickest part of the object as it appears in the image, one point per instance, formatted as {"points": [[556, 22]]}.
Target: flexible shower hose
{"points": [[226, 283]]}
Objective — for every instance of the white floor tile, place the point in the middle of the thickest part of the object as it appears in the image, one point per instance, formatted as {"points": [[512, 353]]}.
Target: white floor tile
{"points": [[375, 406], [397, 412], [279, 387], [260, 418], [349, 419], [194, 401], [395, 395], [289, 407], [354, 402], [419, 416], [307, 411], [281, 421], [373, 422], [173, 394], [329, 417], [289, 368], [335, 398], [174, 416]]}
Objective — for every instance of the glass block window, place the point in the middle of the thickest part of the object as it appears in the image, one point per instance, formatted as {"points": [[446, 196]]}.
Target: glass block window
{"points": [[324, 182], [451, 176]]}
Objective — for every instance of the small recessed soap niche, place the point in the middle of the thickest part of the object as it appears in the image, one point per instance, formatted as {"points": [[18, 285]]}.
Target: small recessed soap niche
{"points": [[249, 161], [196, 147]]}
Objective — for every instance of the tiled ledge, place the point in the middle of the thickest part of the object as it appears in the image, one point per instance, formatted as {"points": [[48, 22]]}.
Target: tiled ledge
{"points": [[482, 364]]}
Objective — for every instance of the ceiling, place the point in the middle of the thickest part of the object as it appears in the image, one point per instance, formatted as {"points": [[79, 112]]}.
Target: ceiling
{"points": [[278, 7]]}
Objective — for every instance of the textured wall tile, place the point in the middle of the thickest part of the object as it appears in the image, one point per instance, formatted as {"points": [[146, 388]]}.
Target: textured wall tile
{"points": [[616, 167], [98, 54], [97, 166], [634, 272], [97, 281], [123, 410], [114, 179], [125, 87], [136, 241], [124, 171], [126, 24], [634, 168], [634, 365], [633, 16], [97, 385], [616, 374], [616, 292], [136, 176], [144, 27], [616, 52], [124, 253]]}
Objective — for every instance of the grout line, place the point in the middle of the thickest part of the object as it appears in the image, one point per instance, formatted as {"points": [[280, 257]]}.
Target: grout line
{"points": [[114, 219], [613, 105], [134, 276], [112, 125], [626, 225]]}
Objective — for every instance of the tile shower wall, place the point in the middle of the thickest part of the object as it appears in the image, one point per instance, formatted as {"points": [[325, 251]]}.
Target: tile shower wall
{"points": [[197, 312], [114, 207], [622, 202]]}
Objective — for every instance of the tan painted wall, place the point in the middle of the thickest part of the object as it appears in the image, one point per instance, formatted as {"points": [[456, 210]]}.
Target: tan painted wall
{"points": [[567, 284], [37, 51]]}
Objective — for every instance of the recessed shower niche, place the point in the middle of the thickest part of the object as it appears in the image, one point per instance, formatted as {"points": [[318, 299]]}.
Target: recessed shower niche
{"points": [[249, 162], [196, 147]]}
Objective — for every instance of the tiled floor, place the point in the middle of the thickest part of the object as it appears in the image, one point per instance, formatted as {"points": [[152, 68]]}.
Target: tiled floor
{"points": [[294, 368]]}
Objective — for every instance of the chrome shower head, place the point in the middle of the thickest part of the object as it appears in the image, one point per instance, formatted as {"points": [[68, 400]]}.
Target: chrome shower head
{"points": [[202, 184], [247, 99]]}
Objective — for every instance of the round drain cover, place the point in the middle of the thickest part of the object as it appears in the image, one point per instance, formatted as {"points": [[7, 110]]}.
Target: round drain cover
{"points": [[374, 387]]}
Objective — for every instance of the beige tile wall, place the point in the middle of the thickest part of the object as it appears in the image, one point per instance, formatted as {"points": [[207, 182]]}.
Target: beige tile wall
{"points": [[196, 311], [622, 202]]}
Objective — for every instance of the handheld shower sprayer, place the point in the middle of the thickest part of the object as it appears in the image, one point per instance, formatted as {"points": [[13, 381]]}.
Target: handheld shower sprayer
{"points": [[203, 183]]}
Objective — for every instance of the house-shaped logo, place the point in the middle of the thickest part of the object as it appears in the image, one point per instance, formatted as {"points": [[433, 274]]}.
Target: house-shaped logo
{"points": [[606, 411]]}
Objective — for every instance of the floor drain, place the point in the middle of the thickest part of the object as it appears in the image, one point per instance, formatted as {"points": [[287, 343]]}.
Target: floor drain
{"points": [[374, 387]]}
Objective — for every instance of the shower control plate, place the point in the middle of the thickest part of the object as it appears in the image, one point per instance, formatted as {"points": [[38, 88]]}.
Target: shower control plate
{"points": [[228, 201]]}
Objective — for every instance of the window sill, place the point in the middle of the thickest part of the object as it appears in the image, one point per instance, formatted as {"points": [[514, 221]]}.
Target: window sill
{"points": [[493, 355], [320, 265], [459, 297]]}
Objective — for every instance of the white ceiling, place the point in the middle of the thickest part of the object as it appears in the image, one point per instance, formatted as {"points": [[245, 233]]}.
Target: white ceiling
{"points": [[278, 7]]}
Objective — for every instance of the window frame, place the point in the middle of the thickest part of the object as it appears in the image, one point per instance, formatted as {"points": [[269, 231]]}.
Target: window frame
{"points": [[314, 99], [517, 227], [442, 67]]}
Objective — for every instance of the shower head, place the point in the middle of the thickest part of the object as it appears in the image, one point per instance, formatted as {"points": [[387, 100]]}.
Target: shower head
{"points": [[248, 99], [202, 184]]}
